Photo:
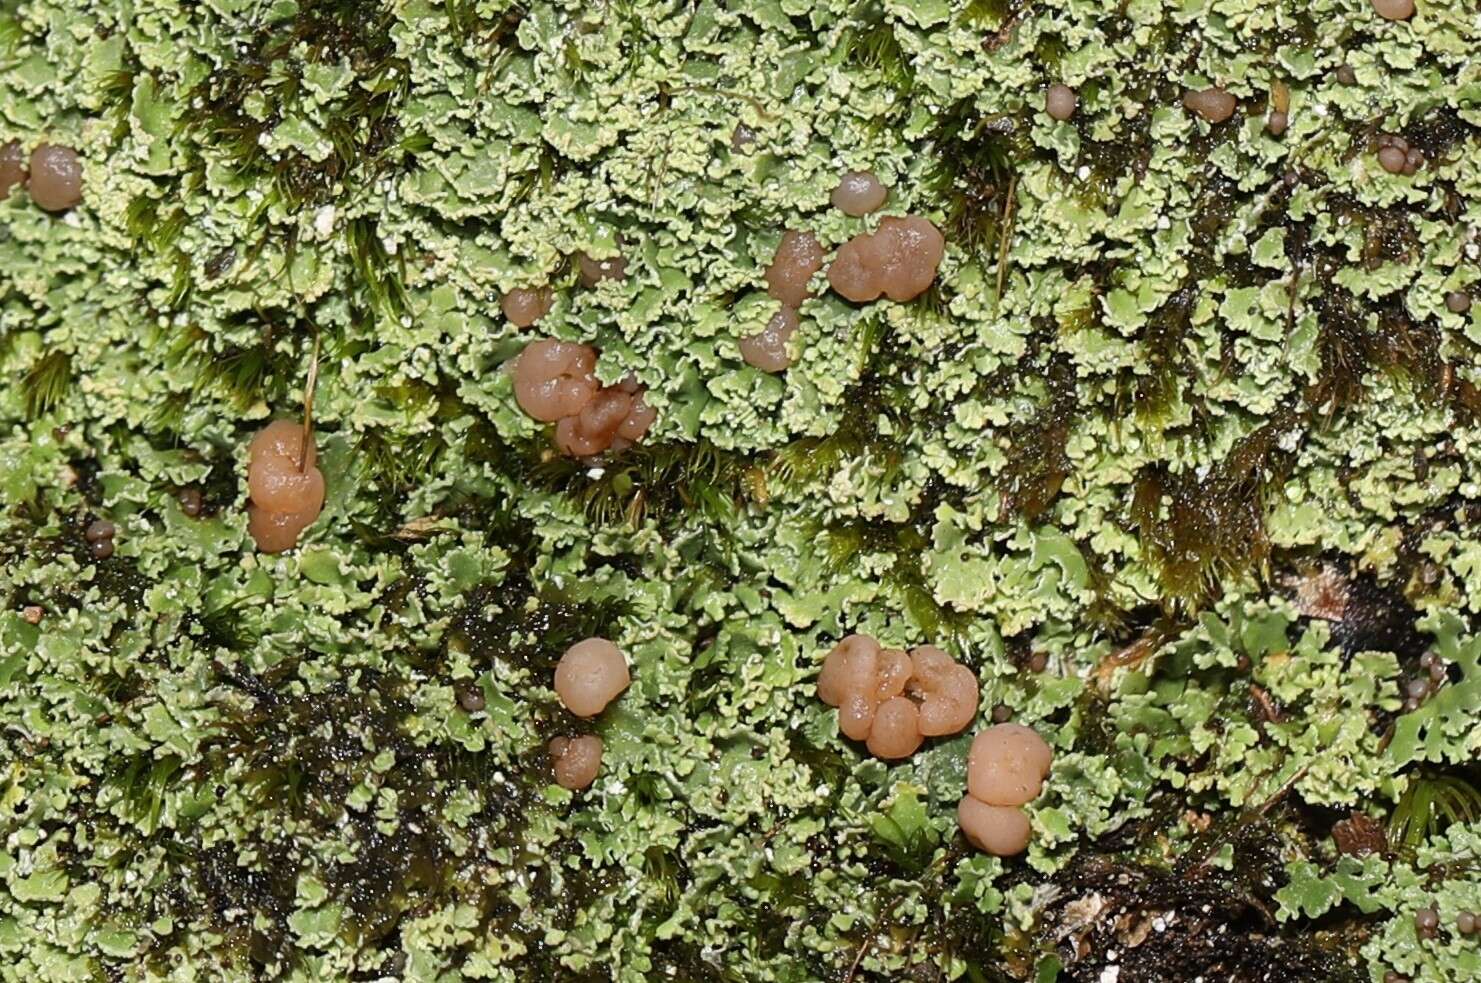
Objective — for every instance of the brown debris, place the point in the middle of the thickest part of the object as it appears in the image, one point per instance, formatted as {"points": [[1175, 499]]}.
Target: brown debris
{"points": [[1359, 835]]}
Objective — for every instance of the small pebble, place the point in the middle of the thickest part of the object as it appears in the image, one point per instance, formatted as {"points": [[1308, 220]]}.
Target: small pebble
{"points": [[1213, 103], [594, 271], [575, 760], [192, 502], [1458, 302], [798, 256], [767, 349], [99, 530], [859, 193], [523, 306], [285, 487], [1392, 159], [899, 260], [590, 675], [32, 613], [1394, 9], [471, 698], [56, 177], [1060, 101]]}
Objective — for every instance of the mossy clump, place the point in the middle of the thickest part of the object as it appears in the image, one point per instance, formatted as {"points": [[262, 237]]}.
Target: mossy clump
{"points": [[1202, 529]]}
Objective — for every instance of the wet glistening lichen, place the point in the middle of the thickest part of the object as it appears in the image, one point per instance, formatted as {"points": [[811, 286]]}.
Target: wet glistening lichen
{"points": [[1172, 442]]}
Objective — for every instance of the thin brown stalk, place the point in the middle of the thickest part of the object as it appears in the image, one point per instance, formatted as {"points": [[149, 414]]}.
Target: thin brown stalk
{"points": [[1005, 239], [308, 408]]}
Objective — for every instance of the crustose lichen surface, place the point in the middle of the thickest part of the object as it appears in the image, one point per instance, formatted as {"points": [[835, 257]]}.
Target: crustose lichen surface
{"points": [[1180, 454]]}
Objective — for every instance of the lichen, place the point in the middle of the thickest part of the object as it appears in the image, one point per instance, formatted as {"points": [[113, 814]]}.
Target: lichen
{"points": [[1177, 455]]}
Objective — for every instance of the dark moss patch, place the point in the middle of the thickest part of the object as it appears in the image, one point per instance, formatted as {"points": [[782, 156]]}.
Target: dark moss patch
{"points": [[665, 482], [1434, 800], [243, 375], [1350, 349], [1037, 463], [519, 625], [391, 873], [560, 887], [381, 275], [990, 13], [301, 753], [235, 896], [1377, 618], [960, 932], [1199, 530], [869, 44], [843, 542], [152, 224], [660, 481], [363, 130], [974, 161], [1153, 393], [1109, 161], [857, 435], [1438, 132], [470, 27], [678, 958]]}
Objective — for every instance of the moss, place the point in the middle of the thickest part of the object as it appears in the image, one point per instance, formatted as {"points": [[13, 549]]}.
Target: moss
{"points": [[266, 372], [989, 13], [1151, 394], [46, 383], [1201, 530], [1433, 801], [857, 434], [869, 44], [363, 132], [975, 160], [153, 224], [382, 276], [661, 481], [1037, 463], [516, 625], [250, 902]]}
